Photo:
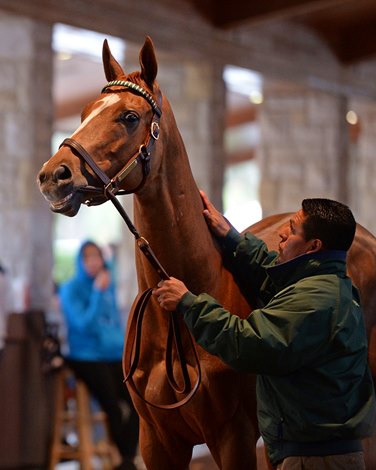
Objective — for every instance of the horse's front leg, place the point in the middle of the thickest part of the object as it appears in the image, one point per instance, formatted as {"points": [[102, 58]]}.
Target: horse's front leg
{"points": [[234, 445], [162, 450]]}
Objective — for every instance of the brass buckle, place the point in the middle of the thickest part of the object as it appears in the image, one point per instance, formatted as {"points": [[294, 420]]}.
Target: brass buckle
{"points": [[142, 242], [110, 188], [126, 170]]}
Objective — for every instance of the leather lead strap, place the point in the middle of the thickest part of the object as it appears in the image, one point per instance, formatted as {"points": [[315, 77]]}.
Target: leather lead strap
{"points": [[133, 342], [132, 351]]}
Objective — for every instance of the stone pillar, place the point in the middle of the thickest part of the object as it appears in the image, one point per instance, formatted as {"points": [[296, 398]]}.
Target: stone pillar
{"points": [[303, 150], [25, 135], [197, 94]]}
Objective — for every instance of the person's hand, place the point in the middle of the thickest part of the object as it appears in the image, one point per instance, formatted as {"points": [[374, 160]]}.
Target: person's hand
{"points": [[102, 280], [169, 293], [215, 220]]}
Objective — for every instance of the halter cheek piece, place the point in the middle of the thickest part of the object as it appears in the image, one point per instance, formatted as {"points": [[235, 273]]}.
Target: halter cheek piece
{"points": [[112, 186]]}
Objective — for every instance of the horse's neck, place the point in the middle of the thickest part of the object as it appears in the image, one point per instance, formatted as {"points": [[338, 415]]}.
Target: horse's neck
{"points": [[168, 213]]}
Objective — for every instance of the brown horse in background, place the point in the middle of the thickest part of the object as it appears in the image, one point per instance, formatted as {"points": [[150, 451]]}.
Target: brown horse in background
{"points": [[168, 212]]}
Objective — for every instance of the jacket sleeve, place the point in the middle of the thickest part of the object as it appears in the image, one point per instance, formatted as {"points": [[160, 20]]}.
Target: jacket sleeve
{"points": [[276, 340], [247, 257]]}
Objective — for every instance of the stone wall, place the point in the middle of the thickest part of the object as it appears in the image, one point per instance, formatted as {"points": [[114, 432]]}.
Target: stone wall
{"points": [[309, 150], [25, 130], [299, 147]]}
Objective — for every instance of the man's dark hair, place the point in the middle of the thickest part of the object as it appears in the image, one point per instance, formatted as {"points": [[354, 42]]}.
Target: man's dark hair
{"points": [[330, 221]]}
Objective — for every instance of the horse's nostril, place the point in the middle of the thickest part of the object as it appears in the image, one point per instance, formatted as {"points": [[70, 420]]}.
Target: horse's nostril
{"points": [[62, 173], [42, 177]]}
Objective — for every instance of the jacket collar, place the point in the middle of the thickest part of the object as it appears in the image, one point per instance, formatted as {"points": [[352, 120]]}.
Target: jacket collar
{"points": [[310, 264]]}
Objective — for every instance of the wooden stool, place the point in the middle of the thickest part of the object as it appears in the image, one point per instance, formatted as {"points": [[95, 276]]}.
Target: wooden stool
{"points": [[72, 408]]}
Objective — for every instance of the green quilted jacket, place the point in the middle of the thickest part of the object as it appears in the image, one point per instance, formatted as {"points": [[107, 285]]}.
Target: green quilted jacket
{"points": [[306, 342]]}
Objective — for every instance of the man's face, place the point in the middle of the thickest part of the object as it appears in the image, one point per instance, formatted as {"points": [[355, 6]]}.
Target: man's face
{"points": [[293, 243]]}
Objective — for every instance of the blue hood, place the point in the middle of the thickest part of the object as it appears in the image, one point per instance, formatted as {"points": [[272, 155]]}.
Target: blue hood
{"points": [[94, 325], [80, 273]]}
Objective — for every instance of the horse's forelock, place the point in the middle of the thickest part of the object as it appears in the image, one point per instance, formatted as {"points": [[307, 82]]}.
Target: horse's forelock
{"points": [[135, 77]]}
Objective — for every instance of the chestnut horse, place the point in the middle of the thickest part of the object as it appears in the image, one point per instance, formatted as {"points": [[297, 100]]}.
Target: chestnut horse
{"points": [[132, 122]]}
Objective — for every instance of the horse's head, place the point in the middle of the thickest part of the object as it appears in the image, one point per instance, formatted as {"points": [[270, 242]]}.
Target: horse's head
{"points": [[111, 149]]}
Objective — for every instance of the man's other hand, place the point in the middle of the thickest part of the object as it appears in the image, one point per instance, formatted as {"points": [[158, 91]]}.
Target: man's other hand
{"points": [[215, 220]]}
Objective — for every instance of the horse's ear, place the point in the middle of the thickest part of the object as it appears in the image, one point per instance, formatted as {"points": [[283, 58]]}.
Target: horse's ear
{"points": [[112, 68], [148, 62]]}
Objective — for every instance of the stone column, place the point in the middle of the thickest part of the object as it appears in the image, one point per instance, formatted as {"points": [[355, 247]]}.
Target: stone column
{"points": [[303, 150], [25, 135], [197, 94]]}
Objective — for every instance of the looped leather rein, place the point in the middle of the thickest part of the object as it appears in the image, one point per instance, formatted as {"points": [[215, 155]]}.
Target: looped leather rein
{"points": [[111, 187], [133, 348]]}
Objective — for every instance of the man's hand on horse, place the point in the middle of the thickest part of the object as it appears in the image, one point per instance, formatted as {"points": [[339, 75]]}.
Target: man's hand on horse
{"points": [[215, 220], [169, 293]]}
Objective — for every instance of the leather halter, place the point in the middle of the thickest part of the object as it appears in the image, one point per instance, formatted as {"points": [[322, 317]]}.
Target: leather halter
{"points": [[111, 187]]}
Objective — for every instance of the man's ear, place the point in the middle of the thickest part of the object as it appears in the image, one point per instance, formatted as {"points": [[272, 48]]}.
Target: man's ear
{"points": [[316, 245]]}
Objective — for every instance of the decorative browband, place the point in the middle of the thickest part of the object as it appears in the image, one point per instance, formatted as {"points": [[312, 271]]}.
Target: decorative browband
{"points": [[137, 89]]}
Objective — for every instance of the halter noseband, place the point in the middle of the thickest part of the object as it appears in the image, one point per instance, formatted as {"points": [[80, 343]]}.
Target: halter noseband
{"points": [[112, 185]]}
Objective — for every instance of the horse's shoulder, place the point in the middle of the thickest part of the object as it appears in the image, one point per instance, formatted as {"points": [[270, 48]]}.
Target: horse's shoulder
{"points": [[361, 260], [364, 239]]}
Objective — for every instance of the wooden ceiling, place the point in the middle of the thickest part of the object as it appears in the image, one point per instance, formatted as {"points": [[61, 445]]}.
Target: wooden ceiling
{"points": [[348, 27]]}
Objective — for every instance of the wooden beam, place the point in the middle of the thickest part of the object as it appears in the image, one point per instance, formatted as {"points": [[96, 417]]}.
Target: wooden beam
{"points": [[240, 156], [222, 14], [131, 21], [357, 43], [73, 107], [195, 39], [241, 116]]}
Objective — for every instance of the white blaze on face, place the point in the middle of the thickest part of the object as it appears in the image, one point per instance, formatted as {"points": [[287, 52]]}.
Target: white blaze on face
{"points": [[101, 105]]}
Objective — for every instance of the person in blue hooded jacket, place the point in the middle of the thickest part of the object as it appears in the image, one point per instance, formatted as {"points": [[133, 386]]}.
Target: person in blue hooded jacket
{"points": [[95, 337]]}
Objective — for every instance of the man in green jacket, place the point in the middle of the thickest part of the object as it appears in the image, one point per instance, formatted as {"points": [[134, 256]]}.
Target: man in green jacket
{"points": [[306, 342]]}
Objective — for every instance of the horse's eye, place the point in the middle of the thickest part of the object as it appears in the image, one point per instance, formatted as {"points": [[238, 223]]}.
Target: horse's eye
{"points": [[129, 117]]}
